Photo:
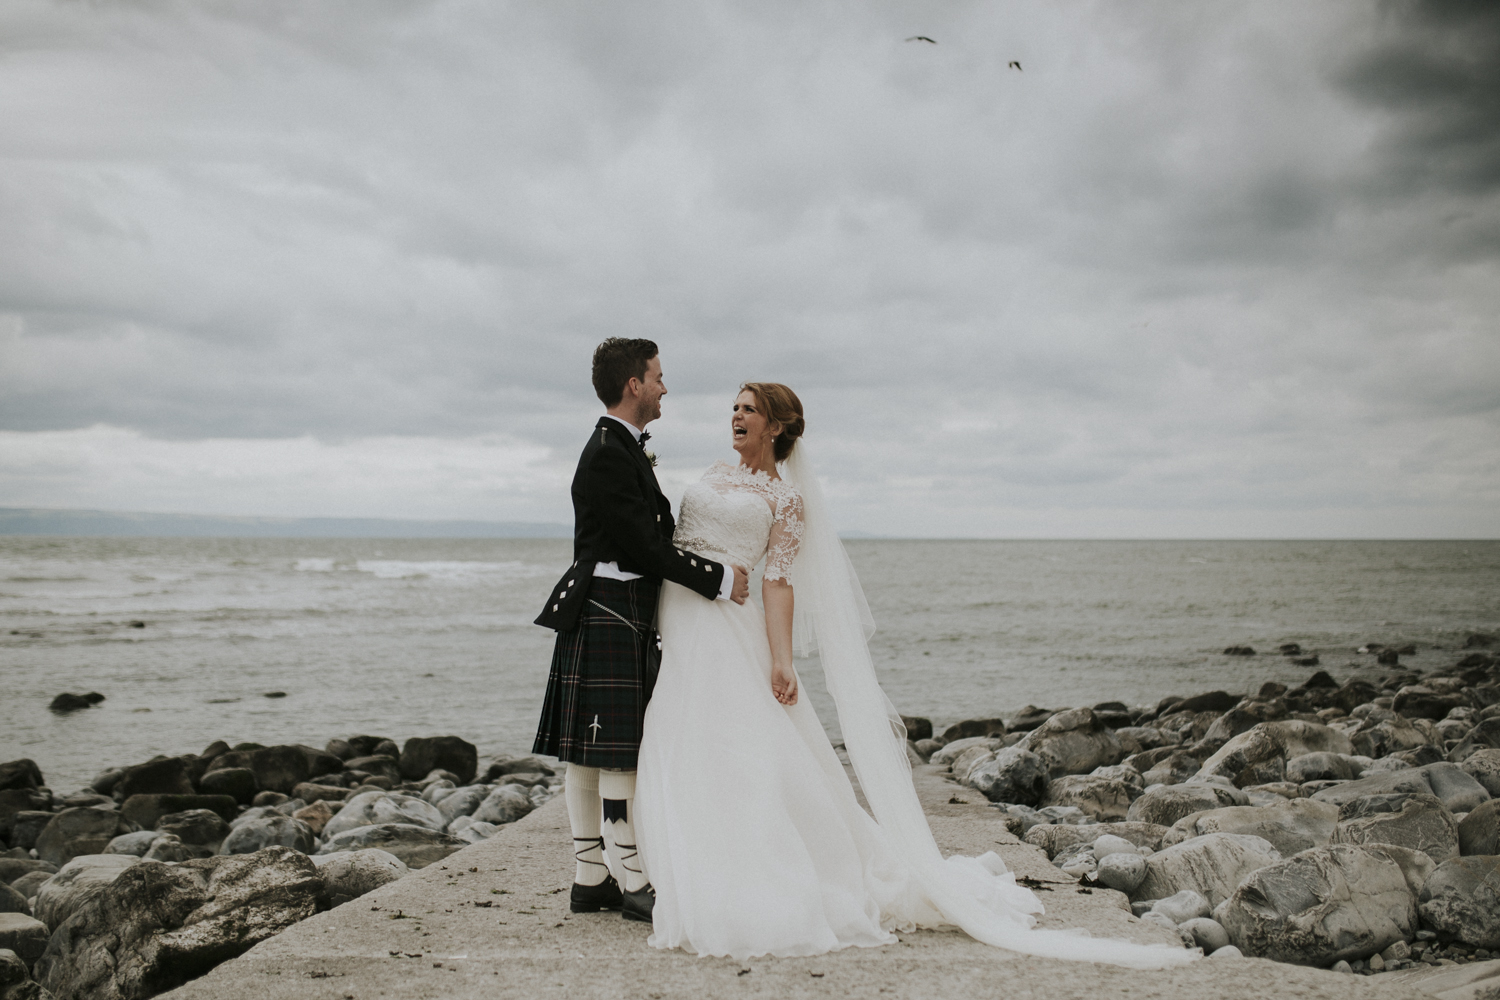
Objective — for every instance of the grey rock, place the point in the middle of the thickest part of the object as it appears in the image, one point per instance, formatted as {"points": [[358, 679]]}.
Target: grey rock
{"points": [[1321, 766], [1161, 920], [1103, 798], [18, 800], [350, 874], [168, 776], [134, 844], [1166, 804], [15, 979], [371, 808], [1182, 906], [381, 765], [462, 802], [961, 766], [11, 901], [422, 754], [315, 816], [501, 766], [1207, 933], [276, 769], [1484, 767], [943, 758], [1074, 742], [1108, 844], [1416, 821], [1228, 951], [1260, 754], [1212, 865], [1290, 825], [1457, 788], [250, 815], [26, 936], [145, 810], [1415, 866], [28, 884], [76, 884], [505, 804], [170, 848], [478, 830], [1462, 899], [1174, 768], [1012, 775], [415, 846], [311, 791], [1485, 736], [269, 831], [28, 826], [436, 791], [1479, 832], [13, 868], [1121, 870], [202, 912], [85, 830], [237, 782], [1343, 967], [1321, 906], [195, 826]]}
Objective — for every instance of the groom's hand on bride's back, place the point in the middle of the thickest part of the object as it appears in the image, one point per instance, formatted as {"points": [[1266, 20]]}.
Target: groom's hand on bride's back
{"points": [[741, 590]]}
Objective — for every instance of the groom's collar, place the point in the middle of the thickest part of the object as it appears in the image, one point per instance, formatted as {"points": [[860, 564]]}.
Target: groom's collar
{"points": [[635, 432]]}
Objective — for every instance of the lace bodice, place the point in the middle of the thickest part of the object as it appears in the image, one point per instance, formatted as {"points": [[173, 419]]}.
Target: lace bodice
{"points": [[740, 516]]}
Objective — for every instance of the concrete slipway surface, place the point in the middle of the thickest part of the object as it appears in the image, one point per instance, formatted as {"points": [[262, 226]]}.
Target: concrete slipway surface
{"points": [[493, 921]]}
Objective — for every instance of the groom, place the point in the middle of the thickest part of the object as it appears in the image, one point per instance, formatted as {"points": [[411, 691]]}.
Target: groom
{"points": [[605, 659]]}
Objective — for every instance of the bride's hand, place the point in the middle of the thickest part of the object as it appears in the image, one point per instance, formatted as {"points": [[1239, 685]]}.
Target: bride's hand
{"points": [[784, 684]]}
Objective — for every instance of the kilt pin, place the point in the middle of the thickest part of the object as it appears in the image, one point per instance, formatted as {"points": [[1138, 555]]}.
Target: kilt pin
{"points": [[606, 655]]}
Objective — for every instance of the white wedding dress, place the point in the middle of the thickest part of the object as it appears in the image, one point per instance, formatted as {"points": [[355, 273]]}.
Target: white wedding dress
{"points": [[746, 823]]}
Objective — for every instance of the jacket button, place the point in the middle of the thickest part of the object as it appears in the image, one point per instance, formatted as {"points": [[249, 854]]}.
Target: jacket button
{"points": [[561, 594], [570, 583], [693, 561], [554, 607]]}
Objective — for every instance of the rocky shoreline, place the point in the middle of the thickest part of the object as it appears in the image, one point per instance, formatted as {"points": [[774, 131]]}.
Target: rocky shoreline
{"points": [[159, 871], [1351, 826], [1347, 826]]}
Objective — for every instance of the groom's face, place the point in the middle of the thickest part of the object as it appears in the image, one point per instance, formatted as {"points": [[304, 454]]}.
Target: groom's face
{"points": [[651, 392]]}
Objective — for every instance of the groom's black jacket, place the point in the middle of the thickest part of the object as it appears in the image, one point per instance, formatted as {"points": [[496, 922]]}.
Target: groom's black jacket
{"points": [[621, 516]]}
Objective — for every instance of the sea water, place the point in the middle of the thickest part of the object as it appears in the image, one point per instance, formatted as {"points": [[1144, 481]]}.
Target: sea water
{"points": [[405, 638]]}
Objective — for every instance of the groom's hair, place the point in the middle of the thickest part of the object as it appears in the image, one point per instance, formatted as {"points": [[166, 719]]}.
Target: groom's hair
{"points": [[616, 362]]}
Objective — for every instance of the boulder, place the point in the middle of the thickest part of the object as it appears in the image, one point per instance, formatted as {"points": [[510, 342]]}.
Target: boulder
{"points": [[13, 868], [1320, 767], [1056, 838], [1419, 701], [1259, 755], [1172, 769], [166, 776], [1121, 871], [350, 874], [28, 826], [1290, 825], [276, 769], [11, 901], [423, 754], [973, 727], [15, 979], [85, 830], [1012, 775], [502, 766], [167, 847], [415, 846], [917, 728], [1166, 804], [477, 831], [14, 801], [200, 913], [77, 883], [1212, 865], [1415, 866], [145, 811], [195, 826], [316, 816], [961, 766], [380, 765], [1457, 788], [28, 885], [1479, 832], [1415, 821], [370, 808], [1207, 933], [942, 758], [1461, 899], [1181, 907], [1217, 702], [461, 802], [26, 936], [362, 746], [1485, 736], [505, 804], [1028, 719], [1102, 797], [22, 773], [1074, 742], [134, 844], [310, 791], [236, 782], [269, 831], [1329, 904]]}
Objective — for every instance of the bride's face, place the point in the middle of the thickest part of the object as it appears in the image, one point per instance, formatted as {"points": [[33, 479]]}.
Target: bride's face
{"points": [[753, 431]]}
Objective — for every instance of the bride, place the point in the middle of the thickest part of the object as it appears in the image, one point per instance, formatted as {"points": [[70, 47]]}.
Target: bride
{"points": [[746, 823]]}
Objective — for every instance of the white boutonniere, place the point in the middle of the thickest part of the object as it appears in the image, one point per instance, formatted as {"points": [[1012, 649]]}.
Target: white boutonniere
{"points": [[651, 457]]}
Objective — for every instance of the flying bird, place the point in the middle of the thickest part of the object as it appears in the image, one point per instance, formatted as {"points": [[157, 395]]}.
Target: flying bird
{"points": [[1015, 66], [921, 38]]}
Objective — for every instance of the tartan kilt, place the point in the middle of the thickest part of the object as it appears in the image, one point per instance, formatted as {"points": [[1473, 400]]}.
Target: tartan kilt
{"points": [[603, 671]]}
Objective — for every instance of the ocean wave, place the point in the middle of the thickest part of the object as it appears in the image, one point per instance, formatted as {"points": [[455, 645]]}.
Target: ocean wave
{"points": [[449, 569]]}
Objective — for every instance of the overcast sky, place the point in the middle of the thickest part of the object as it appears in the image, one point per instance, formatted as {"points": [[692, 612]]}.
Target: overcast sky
{"points": [[1196, 269]]}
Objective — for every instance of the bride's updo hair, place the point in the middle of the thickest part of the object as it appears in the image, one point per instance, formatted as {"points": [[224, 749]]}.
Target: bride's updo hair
{"points": [[780, 406]]}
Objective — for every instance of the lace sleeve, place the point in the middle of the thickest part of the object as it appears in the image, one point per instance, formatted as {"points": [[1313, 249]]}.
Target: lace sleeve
{"points": [[786, 536]]}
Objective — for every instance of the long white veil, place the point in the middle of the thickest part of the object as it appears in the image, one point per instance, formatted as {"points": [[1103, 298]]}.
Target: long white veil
{"points": [[833, 619]]}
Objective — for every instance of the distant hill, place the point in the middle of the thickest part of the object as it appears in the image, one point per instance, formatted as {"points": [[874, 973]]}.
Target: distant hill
{"points": [[43, 521]]}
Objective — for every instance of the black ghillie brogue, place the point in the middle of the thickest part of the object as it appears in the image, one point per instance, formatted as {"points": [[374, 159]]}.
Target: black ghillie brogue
{"points": [[639, 904], [593, 898]]}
